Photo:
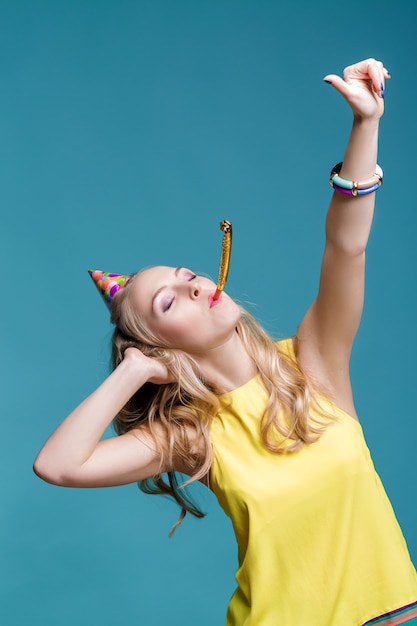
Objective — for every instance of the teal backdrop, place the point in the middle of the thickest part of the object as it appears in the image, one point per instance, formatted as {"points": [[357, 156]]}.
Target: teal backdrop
{"points": [[129, 129]]}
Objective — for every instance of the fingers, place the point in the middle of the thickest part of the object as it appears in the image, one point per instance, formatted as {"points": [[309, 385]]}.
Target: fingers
{"points": [[370, 71]]}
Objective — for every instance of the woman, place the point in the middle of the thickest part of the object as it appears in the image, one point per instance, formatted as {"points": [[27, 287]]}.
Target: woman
{"points": [[200, 389]]}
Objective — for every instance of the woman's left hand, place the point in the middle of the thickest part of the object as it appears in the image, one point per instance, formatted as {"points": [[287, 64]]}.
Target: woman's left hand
{"points": [[363, 87]]}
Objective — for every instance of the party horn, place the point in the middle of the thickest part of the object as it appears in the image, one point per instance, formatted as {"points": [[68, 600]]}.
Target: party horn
{"points": [[226, 227]]}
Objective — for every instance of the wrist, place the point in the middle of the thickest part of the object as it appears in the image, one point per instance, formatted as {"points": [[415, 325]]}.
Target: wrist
{"points": [[132, 369], [366, 122], [139, 368]]}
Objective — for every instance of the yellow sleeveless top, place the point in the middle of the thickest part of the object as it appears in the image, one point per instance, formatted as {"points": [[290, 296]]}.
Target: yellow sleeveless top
{"points": [[318, 541]]}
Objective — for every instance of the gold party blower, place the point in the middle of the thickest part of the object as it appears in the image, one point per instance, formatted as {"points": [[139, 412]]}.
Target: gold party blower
{"points": [[226, 227]]}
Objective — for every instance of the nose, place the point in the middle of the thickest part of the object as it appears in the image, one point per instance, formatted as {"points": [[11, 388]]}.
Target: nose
{"points": [[195, 290]]}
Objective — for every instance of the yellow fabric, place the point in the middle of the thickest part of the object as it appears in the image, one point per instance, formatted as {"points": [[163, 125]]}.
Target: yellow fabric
{"points": [[318, 542]]}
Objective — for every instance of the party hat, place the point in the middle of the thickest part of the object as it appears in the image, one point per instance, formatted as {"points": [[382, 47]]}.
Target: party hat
{"points": [[108, 284]]}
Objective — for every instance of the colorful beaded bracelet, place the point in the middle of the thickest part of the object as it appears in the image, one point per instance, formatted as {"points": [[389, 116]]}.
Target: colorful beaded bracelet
{"points": [[352, 187]]}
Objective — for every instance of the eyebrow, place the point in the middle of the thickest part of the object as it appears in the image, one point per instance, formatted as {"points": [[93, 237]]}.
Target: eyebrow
{"points": [[158, 291]]}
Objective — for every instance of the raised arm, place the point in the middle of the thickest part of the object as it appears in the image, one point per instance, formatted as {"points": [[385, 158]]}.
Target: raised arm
{"points": [[326, 334], [75, 456]]}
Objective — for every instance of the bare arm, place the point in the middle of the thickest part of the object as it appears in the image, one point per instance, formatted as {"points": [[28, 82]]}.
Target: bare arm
{"points": [[326, 334], [74, 455]]}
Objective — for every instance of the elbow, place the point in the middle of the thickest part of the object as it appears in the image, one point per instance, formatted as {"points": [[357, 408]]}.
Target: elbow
{"points": [[348, 236], [349, 247], [47, 471]]}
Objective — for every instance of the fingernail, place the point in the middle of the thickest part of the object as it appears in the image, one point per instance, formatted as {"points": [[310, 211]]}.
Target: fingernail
{"points": [[389, 74], [382, 90], [326, 80]]}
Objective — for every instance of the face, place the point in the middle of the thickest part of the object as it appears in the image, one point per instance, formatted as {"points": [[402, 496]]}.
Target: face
{"points": [[176, 306]]}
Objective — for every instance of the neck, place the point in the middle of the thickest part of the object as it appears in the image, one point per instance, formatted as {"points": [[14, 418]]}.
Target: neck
{"points": [[228, 366]]}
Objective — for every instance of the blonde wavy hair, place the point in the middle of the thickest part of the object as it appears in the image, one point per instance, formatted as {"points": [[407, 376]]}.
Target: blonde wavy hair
{"points": [[191, 404]]}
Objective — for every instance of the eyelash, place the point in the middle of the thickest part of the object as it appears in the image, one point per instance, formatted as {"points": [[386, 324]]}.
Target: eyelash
{"points": [[166, 308]]}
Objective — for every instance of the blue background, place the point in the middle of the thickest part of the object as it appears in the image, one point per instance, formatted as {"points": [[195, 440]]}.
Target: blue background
{"points": [[128, 131]]}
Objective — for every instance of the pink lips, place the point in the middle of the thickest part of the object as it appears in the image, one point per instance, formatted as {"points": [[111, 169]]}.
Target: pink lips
{"points": [[212, 302]]}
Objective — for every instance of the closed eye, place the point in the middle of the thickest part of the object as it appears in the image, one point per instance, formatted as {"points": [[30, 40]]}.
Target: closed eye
{"points": [[190, 276], [167, 303]]}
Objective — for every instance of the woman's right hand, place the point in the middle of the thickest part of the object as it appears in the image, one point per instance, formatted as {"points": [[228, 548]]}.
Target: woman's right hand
{"points": [[156, 371]]}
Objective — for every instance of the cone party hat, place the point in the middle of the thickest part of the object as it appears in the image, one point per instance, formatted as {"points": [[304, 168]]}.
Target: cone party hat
{"points": [[108, 284]]}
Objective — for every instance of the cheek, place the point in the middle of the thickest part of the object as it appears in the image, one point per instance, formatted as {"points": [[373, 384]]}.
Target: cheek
{"points": [[227, 312], [175, 332], [191, 329]]}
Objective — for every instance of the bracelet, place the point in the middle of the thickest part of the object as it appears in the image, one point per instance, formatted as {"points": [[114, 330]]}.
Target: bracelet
{"points": [[352, 187], [357, 192]]}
